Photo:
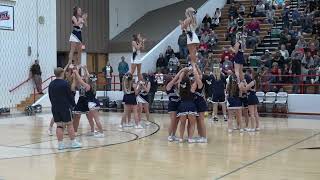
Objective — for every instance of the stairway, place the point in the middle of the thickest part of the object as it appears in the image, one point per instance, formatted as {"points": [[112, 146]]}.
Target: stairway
{"points": [[28, 101]]}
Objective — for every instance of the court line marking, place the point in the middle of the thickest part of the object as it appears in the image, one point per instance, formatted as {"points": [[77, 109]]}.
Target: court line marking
{"points": [[265, 157], [87, 149]]}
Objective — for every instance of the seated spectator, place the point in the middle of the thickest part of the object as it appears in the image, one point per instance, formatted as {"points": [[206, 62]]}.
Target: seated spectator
{"points": [[279, 60], [316, 59], [205, 37], [284, 36], [284, 52], [260, 10], [162, 64], [232, 28], [226, 54], [307, 23], [213, 40], [203, 47], [182, 42], [252, 41], [294, 33], [314, 43], [242, 9], [169, 52], [297, 53], [307, 60], [279, 3], [270, 15], [207, 20], [233, 10], [266, 59], [173, 64], [295, 17], [227, 65], [202, 62], [254, 25], [302, 43], [252, 9], [216, 18]]}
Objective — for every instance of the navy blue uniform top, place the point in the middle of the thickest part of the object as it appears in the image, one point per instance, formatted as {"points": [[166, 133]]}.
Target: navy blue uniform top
{"points": [[60, 94], [173, 95], [207, 82], [218, 86], [249, 80], [90, 95]]}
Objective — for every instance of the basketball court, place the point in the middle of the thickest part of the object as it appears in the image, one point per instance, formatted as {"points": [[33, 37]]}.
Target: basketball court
{"points": [[276, 151]]}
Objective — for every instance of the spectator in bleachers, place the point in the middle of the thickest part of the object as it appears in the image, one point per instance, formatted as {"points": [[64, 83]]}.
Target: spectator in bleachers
{"points": [[314, 43], [266, 59], [242, 9], [205, 37], [203, 48], [254, 25], [284, 36], [285, 18], [307, 23], [252, 9], [279, 60], [123, 68], [232, 27], [169, 52], [270, 14], [182, 42], [226, 53], [216, 18], [260, 10], [233, 10], [297, 53], [316, 59], [296, 17], [206, 21], [173, 64], [162, 64], [240, 23], [252, 41], [296, 71], [202, 62], [302, 43], [213, 39], [227, 65], [307, 60], [284, 52]]}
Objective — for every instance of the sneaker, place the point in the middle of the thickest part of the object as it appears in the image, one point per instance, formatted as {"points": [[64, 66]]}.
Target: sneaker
{"points": [[120, 126], [147, 123], [181, 140], [50, 133], [257, 129], [230, 130], [215, 119], [91, 133], [175, 138], [191, 140], [138, 127], [75, 144], [131, 124], [170, 138], [61, 146], [247, 129], [241, 130], [99, 135], [202, 140], [225, 118]]}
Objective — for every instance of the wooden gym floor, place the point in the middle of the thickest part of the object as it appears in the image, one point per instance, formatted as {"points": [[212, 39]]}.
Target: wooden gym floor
{"points": [[276, 152]]}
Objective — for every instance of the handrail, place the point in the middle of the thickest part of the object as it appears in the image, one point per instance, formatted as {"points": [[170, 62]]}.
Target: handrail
{"points": [[13, 89], [34, 89]]}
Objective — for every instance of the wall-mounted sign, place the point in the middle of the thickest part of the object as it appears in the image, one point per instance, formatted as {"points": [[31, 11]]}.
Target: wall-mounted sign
{"points": [[6, 17]]}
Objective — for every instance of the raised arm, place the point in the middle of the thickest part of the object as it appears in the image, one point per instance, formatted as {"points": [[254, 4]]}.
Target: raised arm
{"points": [[176, 79], [197, 76]]}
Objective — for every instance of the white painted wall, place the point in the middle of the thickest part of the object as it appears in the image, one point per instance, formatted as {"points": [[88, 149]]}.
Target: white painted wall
{"points": [[123, 13], [14, 59]]}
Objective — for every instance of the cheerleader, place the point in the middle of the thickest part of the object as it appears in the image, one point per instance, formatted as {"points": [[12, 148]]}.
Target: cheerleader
{"points": [[218, 93], [234, 103], [187, 109], [238, 59], [253, 105], [136, 60], [130, 101], [190, 26], [78, 20], [82, 104], [244, 101], [200, 102], [143, 98]]}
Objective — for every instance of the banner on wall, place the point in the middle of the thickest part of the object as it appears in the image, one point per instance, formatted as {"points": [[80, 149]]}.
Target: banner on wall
{"points": [[6, 17]]}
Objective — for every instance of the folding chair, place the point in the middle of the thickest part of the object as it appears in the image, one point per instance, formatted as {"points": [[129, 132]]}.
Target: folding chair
{"points": [[282, 102], [270, 101], [261, 97]]}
